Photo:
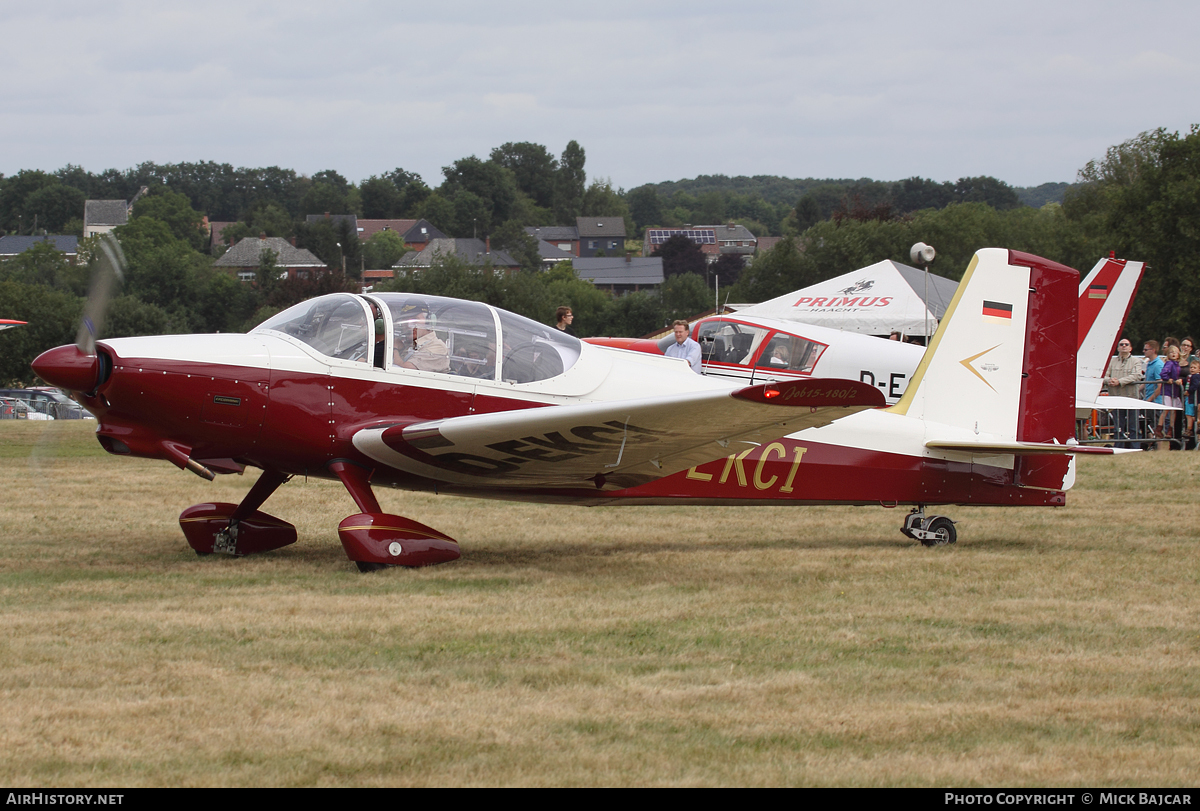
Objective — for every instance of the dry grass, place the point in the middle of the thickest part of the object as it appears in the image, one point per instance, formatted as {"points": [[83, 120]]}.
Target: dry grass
{"points": [[639, 646]]}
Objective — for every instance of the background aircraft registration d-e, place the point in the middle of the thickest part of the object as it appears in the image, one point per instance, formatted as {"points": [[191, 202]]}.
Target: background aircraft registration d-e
{"points": [[504, 407]]}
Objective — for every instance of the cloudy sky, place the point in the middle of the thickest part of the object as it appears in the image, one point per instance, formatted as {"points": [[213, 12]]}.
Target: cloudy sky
{"points": [[1025, 91]]}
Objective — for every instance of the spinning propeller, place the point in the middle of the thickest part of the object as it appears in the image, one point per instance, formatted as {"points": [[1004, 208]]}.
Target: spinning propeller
{"points": [[79, 367]]}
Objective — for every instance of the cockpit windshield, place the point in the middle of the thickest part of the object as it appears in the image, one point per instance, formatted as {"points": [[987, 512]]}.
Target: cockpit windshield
{"points": [[436, 334], [431, 334], [534, 351], [730, 342], [333, 325]]}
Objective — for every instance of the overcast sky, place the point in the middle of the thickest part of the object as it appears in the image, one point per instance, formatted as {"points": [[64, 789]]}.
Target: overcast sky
{"points": [[653, 91]]}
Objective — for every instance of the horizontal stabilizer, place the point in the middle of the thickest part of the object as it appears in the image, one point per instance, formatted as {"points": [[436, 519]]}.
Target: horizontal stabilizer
{"points": [[1111, 403], [1021, 448]]}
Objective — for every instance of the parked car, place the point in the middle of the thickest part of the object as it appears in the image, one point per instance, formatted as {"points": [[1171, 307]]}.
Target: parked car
{"points": [[64, 408], [51, 402]]}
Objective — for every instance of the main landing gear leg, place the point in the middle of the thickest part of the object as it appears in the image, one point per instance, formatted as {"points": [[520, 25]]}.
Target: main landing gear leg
{"points": [[936, 530], [374, 539], [238, 529]]}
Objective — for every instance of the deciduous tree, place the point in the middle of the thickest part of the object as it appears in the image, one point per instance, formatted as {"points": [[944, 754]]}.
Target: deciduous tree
{"points": [[569, 184], [681, 255], [532, 166], [490, 182]]}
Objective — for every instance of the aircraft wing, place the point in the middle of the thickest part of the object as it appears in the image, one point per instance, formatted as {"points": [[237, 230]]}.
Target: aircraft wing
{"points": [[610, 444]]}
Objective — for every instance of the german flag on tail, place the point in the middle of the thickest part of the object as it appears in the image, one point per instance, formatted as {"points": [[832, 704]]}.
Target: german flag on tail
{"points": [[998, 310]]}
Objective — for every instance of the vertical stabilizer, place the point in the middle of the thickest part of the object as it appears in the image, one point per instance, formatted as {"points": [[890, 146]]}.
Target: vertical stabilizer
{"points": [[1002, 363], [1105, 299]]}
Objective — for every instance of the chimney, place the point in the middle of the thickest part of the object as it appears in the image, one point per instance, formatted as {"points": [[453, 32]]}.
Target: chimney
{"points": [[487, 241], [293, 242], [262, 235], [628, 257]]}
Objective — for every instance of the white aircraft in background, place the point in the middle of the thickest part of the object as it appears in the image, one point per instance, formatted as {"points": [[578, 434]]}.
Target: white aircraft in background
{"points": [[757, 349]]}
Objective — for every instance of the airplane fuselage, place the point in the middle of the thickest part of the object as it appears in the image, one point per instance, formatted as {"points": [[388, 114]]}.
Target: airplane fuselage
{"points": [[263, 401]]}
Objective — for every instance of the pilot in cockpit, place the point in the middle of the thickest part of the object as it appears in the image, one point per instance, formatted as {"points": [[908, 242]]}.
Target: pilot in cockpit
{"points": [[416, 346]]}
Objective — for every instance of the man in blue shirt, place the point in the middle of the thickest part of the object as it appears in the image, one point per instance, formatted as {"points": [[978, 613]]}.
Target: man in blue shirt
{"points": [[684, 347], [1152, 391]]}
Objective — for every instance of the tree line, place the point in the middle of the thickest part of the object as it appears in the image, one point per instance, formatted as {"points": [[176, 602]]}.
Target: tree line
{"points": [[520, 183], [1139, 200]]}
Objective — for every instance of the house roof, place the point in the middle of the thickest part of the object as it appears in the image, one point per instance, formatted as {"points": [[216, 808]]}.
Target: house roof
{"points": [[105, 212], [767, 243], [248, 253], [412, 231], [369, 228], [472, 251], [553, 233], [216, 227], [552, 253], [13, 245], [617, 270], [731, 231], [600, 226]]}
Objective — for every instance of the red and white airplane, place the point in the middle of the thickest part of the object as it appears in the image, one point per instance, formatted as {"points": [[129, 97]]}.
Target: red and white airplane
{"points": [[8, 323], [458, 397], [756, 349]]}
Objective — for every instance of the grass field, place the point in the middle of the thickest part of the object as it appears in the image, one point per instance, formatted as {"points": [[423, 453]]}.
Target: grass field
{"points": [[610, 646]]}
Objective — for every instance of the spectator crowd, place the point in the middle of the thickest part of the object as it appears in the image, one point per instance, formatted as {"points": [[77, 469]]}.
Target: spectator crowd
{"points": [[1167, 374]]}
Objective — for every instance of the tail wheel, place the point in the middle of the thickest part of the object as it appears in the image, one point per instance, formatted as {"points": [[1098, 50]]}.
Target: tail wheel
{"points": [[943, 530]]}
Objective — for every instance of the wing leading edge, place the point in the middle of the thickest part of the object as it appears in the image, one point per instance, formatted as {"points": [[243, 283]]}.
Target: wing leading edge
{"points": [[610, 445]]}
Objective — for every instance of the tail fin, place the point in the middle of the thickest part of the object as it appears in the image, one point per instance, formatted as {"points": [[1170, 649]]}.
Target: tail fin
{"points": [[1002, 362], [1105, 298]]}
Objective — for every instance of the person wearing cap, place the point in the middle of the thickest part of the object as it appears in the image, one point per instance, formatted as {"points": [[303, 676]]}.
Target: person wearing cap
{"points": [[422, 348]]}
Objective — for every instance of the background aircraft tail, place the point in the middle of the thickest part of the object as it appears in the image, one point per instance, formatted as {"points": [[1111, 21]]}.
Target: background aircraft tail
{"points": [[1000, 371], [1105, 299]]}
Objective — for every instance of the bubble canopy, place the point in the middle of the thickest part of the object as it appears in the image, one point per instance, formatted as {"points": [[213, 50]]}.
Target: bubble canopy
{"points": [[402, 331]]}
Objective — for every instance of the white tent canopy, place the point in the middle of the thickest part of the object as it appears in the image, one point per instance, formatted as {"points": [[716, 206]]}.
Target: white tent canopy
{"points": [[874, 300]]}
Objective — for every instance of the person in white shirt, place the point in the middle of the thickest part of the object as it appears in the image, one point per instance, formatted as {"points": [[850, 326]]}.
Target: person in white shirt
{"points": [[684, 347]]}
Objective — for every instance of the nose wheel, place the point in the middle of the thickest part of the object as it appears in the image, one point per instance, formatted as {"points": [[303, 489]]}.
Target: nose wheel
{"points": [[936, 530]]}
